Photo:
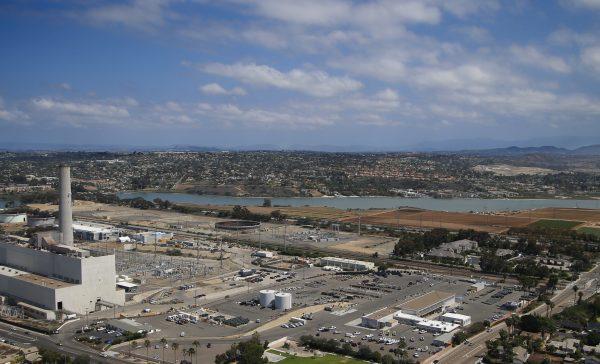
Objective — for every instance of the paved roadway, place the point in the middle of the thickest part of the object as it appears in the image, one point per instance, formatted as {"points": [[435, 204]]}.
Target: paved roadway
{"points": [[469, 353], [73, 348]]}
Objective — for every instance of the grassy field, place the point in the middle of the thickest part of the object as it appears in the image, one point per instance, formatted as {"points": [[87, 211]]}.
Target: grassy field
{"points": [[555, 224], [326, 359], [589, 230]]}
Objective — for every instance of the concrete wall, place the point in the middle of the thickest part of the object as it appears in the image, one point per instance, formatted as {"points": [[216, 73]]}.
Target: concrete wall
{"points": [[29, 292], [41, 262]]}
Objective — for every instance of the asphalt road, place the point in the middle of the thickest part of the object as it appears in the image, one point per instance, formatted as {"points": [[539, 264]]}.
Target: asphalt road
{"points": [[68, 346]]}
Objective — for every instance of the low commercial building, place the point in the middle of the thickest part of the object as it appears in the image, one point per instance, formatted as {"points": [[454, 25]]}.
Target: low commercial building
{"points": [[348, 264], [95, 232], [455, 318], [476, 287], [425, 324], [153, 237], [128, 286], [434, 301], [380, 318], [129, 325]]}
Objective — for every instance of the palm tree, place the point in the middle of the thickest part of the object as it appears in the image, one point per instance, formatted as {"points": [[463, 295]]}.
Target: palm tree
{"points": [[163, 341], [575, 289], [551, 306], [548, 308], [509, 322], [184, 353], [192, 352], [147, 345], [580, 295], [196, 344], [175, 347]]}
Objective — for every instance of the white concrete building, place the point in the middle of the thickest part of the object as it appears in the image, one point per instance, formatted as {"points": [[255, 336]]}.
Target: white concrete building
{"points": [[347, 264], [455, 318], [58, 281], [380, 318], [95, 232]]}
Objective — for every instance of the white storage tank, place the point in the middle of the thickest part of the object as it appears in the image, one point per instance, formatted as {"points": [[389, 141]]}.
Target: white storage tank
{"points": [[283, 301], [266, 297]]}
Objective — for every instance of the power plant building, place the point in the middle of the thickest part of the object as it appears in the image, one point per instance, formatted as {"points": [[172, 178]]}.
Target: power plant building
{"points": [[56, 275]]}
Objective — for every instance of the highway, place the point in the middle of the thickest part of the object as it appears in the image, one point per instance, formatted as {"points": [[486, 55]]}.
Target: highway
{"points": [[468, 353]]}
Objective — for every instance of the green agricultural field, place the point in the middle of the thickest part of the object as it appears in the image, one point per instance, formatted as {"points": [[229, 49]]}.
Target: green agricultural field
{"points": [[326, 359], [555, 224], [589, 230]]}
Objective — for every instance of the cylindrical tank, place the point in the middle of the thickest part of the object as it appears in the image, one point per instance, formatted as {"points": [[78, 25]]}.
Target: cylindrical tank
{"points": [[266, 297], [283, 301], [65, 207]]}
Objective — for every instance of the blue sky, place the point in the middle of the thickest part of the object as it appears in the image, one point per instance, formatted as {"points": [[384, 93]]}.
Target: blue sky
{"points": [[384, 74]]}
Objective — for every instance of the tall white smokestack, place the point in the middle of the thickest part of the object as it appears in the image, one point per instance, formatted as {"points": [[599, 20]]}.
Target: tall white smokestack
{"points": [[65, 211]]}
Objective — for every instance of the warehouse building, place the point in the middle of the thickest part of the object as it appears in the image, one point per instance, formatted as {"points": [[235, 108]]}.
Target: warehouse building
{"points": [[347, 264], [434, 301], [380, 318], [455, 318]]}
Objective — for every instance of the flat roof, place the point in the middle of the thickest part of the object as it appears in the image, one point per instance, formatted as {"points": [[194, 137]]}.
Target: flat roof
{"points": [[32, 278], [426, 300], [379, 314], [127, 284], [457, 316]]}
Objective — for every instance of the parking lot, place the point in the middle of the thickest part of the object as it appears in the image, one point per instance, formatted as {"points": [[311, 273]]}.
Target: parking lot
{"points": [[361, 294]]}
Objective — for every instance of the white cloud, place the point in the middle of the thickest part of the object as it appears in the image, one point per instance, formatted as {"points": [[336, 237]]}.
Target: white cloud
{"points": [[591, 57], [78, 113], [216, 89], [586, 4], [532, 56], [146, 15], [314, 83], [312, 12], [11, 115]]}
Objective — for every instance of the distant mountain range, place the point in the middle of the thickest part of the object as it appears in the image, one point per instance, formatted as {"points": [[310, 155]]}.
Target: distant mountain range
{"points": [[452, 146], [585, 150]]}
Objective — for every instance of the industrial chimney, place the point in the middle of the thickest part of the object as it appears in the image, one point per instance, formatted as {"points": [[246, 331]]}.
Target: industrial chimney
{"points": [[65, 211]]}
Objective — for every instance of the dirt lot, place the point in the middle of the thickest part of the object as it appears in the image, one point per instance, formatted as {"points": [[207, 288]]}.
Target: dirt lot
{"points": [[450, 220], [562, 213]]}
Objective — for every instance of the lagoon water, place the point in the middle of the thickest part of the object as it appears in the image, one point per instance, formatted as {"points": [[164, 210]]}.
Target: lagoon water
{"points": [[456, 204]]}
